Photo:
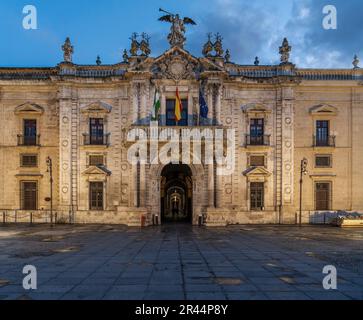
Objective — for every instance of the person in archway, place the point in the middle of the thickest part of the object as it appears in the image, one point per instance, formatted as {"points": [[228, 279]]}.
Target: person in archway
{"points": [[175, 210]]}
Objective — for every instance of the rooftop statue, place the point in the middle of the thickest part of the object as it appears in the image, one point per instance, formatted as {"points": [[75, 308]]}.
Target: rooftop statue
{"points": [[177, 31]]}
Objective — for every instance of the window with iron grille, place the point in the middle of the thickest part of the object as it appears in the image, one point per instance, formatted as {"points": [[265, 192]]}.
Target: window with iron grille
{"points": [[257, 131], [323, 196], [323, 161], [96, 160], [29, 195], [257, 161], [29, 160], [96, 131], [30, 132], [322, 133], [257, 196], [96, 196]]}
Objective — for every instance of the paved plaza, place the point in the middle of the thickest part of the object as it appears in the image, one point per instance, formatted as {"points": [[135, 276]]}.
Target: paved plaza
{"points": [[181, 262]]}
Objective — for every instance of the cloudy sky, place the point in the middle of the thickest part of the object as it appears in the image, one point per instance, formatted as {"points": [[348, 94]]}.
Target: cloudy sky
{"points": [[249, 28]]}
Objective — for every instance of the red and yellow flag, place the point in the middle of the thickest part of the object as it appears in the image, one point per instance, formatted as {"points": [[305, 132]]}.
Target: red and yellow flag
{"points": [[178, 107]]}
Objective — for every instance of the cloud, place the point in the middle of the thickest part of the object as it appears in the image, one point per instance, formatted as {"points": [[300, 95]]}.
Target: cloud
{"points": [[257, 28]]}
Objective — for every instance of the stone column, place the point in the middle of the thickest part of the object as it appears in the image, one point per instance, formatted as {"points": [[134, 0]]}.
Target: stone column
{"points": [[65, 147], [145, 91], [219, 93], [134, 186], [211, 186], [142, 186], [190, 107], [163, 107], [135, 102], [287, 148], [210, 102]]}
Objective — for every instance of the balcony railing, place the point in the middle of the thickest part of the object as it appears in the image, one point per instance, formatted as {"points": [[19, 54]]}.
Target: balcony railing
{"points": [[96, 140], [328, 141], [28, 140], [258, 140]]}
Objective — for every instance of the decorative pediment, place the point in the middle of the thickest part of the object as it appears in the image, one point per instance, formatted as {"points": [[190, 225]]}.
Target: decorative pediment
{"points": [[324, 109], [29, 108], [97, 171], [176, 64], [97, 107], [257, 172], [255, 108]]}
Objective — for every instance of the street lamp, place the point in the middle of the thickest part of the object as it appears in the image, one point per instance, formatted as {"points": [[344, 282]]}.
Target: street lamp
{"points": [[303, 171], [50, 171]]}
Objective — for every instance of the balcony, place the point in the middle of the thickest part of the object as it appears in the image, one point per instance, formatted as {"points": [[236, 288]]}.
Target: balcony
{"points": [[28, 141], [164, 134], [327, 141], [258, 140], [96, 140]]}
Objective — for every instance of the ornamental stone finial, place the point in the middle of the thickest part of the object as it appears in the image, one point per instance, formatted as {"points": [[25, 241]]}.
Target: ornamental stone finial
{"points": [[135, 45], [285, 50], [227, 56], [68, 50], [145, 44], [218, 45], [356, 62], [125, 56], [208, 47]]}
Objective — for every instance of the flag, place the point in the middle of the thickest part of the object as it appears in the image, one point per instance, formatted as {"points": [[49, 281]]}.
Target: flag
{"points": [[204, 110], [178, 107], [156, 106]]}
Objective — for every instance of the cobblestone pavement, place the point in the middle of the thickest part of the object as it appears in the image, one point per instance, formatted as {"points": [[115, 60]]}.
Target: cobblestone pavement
{"points": [[181, 262]]}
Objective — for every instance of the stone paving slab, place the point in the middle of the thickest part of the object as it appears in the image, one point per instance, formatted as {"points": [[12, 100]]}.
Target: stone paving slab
{"points": [[178, 262]]}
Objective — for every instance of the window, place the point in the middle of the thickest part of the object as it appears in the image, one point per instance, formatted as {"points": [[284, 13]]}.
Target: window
{"points": [[322, 133], [323, 161], [257, 131], [322, 196], [96, 196], [96, 132], [29, 160], [30, 132], [257, 161], [257, 196], [29, 195], [170, 113], [96, 160]]}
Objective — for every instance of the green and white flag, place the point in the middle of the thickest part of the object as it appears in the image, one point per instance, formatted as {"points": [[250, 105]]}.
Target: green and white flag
{"points": [[156, 106]]}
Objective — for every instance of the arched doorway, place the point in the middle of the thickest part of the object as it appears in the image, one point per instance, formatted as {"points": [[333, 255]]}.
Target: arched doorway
{"points": [[176, 194]]}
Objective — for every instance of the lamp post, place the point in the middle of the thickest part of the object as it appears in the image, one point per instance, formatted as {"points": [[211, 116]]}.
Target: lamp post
{"points": [[50, 171], [303, 171]]}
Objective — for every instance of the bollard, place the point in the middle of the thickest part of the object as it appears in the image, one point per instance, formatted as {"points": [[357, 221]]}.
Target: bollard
{"points": [[31, 218], [157, 220], [56, 218], [4, 217], [153, 219], [143, 220], [200, 220]]}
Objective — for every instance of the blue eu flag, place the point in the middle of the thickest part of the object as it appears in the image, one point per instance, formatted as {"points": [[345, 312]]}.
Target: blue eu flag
{"points": [[203, 106]]}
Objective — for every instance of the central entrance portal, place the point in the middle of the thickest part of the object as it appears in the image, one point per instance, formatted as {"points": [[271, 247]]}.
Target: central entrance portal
{"points": [[176, 193]]}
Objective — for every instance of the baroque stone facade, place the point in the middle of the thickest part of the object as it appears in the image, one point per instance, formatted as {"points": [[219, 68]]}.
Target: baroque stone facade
{"points": [[80, 115]]}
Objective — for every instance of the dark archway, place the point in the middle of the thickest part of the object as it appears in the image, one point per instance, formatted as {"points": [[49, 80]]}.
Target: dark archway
{"points": [[176, 193]]}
